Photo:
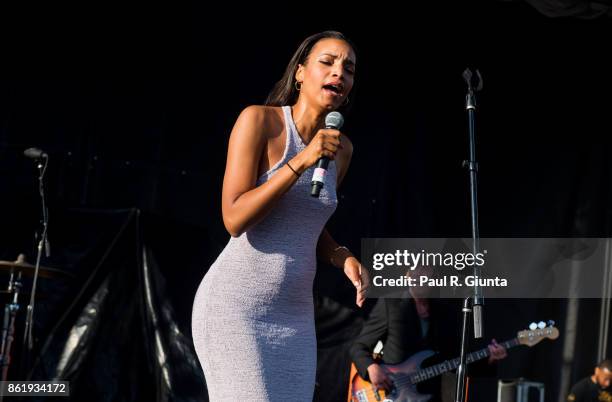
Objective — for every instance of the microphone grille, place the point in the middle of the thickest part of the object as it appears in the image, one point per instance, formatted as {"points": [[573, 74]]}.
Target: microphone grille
{"points": [[33, 153], [334, 120]]}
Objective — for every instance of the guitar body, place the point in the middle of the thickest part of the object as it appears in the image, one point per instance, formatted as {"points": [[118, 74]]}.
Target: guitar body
{"points": [[406, 374], [361, 390]]}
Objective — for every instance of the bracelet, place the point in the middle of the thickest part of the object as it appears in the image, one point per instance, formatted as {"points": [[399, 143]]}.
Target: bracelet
{"points": [[331, 259], [293, 170]]}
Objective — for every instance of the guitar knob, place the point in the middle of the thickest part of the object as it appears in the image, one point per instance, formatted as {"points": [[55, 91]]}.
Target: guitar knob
{"points": [[551, 323], [541, 325], [533, 326]]}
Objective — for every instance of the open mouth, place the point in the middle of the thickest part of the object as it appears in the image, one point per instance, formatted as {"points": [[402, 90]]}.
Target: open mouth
{"points": [[334, 89]]}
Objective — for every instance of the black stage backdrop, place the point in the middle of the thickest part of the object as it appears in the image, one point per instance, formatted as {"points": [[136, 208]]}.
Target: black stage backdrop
{"points": [[134, 104]]}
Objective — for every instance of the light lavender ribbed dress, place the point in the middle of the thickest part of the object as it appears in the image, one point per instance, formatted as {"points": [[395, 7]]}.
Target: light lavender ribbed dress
{"points": [[253, 314]]}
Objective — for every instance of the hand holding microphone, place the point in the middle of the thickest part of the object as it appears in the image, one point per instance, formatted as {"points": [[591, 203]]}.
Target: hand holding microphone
{"points": [[320, 150], [333, 123]]}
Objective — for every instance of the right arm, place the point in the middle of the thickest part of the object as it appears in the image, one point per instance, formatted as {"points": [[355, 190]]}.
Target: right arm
{"points": [[374, 329], [576, 394], [243, 204]]}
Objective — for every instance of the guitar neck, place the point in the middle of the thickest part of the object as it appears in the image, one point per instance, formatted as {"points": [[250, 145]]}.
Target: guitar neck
{"points": [[448, 365]]}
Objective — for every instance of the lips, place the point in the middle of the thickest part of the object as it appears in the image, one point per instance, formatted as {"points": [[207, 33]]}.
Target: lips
{"points": [[334, 88]]}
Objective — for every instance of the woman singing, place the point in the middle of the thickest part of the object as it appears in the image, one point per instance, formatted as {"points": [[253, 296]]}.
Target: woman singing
{"points": [[253, 316]]}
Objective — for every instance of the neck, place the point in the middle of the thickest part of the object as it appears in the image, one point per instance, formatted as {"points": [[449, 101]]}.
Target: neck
{"points": [[307, 119], [422, 307]]}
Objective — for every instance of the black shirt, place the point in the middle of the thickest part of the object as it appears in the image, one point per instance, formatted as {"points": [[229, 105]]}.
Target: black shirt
{"points": [[586, 390], [396, 324]]}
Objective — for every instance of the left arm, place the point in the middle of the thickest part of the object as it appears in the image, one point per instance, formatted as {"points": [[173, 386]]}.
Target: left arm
{"points": [[328, 249]]}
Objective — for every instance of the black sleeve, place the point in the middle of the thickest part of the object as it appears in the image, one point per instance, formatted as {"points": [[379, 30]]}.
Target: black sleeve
{"points": [[578, 393], [374, 329]]}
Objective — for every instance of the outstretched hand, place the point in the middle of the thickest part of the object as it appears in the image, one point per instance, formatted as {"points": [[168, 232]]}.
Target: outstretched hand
{"points": [[359, 278]]}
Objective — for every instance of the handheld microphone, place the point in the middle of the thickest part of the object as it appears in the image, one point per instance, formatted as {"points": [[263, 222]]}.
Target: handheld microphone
{"points": [[35, 153], [332, 120]]}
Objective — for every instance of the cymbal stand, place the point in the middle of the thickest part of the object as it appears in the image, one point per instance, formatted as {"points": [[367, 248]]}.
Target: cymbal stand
{"points": [[8, 324]]}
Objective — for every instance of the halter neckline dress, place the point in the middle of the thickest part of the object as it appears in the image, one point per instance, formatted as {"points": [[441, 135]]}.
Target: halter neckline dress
{"points": [[253, 314]]}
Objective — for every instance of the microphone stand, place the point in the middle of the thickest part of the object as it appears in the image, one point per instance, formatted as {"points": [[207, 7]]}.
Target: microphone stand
{"points": [[43, 243], [471, 304]]}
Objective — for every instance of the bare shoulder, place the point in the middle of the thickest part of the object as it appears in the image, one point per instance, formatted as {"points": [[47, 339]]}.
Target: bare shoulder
{"points": [[253, 115], [261, 119]]}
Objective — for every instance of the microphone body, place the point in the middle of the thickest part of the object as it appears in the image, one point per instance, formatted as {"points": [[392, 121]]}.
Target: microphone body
{"points": [[35, 153], [333, 120]]}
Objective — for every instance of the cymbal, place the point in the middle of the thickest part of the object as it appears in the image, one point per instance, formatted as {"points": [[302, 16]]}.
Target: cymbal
{"points": [[28, 269]]}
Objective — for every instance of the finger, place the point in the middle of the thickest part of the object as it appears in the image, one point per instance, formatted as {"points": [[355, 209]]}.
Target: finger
{"points": [[332, 140], [331, 147], [365, 279], [327, 154], [331, 132], [355, 280], [360, 297]]}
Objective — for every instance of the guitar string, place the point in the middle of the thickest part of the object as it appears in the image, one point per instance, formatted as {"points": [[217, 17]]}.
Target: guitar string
{"points": [[408, 378]]}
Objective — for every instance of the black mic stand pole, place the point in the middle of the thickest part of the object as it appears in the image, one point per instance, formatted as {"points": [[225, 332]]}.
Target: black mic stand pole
{"points": [[474, 302], [28, 343]]}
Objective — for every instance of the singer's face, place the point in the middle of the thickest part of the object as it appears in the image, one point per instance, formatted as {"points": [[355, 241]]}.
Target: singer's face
{"points": [[327, 77]]}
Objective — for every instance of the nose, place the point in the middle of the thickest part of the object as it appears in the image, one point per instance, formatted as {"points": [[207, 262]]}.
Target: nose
{"points": [[338, 70]]}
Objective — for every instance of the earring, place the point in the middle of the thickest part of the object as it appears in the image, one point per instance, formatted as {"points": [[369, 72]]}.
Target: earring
{"points": [[346, 101], [299, 88]]}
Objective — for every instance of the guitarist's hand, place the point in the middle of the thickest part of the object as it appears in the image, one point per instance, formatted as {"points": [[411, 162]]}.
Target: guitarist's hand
{"points": [[379, 378], [497, 351]]}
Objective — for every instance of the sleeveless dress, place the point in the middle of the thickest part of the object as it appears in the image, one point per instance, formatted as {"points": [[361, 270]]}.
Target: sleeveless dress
{"points": [[253, 314]]}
